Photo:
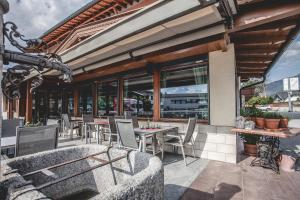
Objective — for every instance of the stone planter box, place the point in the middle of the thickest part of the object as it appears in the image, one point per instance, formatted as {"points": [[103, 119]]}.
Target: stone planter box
{"points": [[138, 177]]}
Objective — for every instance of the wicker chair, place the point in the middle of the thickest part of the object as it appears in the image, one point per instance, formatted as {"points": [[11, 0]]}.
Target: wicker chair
{"points": [[182, 139], [36, 139]]}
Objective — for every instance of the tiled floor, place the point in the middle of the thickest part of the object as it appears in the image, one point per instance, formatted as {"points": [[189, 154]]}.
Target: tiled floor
{"points": [[242, 182]]}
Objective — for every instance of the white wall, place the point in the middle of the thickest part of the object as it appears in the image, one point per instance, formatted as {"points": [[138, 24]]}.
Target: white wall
{"points": [[222, 87]]}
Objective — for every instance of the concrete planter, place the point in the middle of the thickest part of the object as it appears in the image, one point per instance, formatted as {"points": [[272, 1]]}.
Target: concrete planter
{"points": [[138, 176]]}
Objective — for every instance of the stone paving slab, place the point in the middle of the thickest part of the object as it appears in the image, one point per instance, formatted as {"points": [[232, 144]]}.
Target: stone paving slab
{"points": [[243, 182]]}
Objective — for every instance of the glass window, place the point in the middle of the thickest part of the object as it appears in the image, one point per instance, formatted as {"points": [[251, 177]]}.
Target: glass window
{"points": [[70, 102], [107, 101], [184, 92], [138, 96], [85, 100]]}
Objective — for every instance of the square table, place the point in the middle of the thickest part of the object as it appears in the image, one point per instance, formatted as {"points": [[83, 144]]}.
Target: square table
{"points": [[144, 133], [99, 124]]}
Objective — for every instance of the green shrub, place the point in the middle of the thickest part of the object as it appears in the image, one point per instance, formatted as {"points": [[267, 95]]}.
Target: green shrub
{"points": [[256, 100], [272, 115], [251, 112], [250, 138]]}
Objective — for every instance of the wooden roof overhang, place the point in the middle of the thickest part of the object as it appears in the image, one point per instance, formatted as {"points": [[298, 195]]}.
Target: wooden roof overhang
{"points": [[261, 32], [174, 35], [93, 11]]}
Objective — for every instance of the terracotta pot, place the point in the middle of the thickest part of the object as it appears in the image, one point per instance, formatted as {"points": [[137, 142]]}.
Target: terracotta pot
{"points": [[260, 122], [272, 123], [250, 149], [283, 123]]}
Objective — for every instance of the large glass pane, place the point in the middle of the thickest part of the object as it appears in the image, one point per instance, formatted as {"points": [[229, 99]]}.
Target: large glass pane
{"points": [[85, 100], [107, 98], [184, 93], [70, 102], [138, 96]]}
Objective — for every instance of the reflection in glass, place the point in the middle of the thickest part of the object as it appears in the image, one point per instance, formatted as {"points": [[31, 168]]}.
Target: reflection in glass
{"points": [[107, 101], [138, 96], [184, 93], [85, 100]]}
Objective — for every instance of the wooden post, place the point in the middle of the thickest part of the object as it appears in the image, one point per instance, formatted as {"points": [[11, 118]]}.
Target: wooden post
{"points": [[94, 96], [121, 96], [76, 102], [28, 115], [17, 108], [10, 109], [156, 94]]}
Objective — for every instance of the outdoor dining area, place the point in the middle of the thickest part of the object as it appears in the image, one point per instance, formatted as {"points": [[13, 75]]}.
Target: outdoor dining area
{"points": [[119, 131]]}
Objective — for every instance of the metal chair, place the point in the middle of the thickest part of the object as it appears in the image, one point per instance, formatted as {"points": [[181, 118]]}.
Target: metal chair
{"points": [[126, 134], [36, 139], [112, 130], [69, 125], [88, 129], [182, 139], [9, 127]]}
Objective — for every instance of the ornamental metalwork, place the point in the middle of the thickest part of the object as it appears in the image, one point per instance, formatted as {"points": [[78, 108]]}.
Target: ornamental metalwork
{"points": [[33, 57]]}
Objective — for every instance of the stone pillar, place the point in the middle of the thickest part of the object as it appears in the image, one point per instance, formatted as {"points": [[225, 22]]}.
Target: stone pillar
{"points": [[4, 7], [222, 84]]}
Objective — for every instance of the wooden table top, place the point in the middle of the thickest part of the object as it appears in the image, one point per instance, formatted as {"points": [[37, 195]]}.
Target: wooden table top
{"points": [[287, 133]]}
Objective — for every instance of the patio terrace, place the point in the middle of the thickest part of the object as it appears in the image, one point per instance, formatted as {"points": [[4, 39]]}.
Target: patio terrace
{"points": [[205, 179]]}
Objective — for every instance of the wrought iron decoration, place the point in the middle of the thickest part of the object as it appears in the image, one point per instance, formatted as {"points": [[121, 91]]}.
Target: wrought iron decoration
{"points": [[33, 57]]}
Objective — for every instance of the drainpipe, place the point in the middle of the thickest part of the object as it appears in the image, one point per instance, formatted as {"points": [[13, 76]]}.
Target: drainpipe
{"points": [[4, 7]]}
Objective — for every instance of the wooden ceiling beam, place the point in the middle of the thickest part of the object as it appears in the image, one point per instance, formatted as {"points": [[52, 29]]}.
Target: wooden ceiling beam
{"points": [[98, 14], [260, 39], [265, 14], [280, 25], [256, 51], [254, 57], [251, 65]]}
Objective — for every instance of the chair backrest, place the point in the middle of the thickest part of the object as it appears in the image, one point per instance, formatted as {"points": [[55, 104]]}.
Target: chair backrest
{"points": [[135, 122], [126, 133], [36, 139], [112, 124], [65, 119], [190, 130], [87, 118], [9, 127]]}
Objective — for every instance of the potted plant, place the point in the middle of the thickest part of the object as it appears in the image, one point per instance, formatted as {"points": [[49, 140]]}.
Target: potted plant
{"points": [[272, 120], [283, 122], [259, 119], [250, 144]]}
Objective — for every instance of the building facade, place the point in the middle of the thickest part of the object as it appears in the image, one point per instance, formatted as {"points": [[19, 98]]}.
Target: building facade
{"points": [[163, 60]]}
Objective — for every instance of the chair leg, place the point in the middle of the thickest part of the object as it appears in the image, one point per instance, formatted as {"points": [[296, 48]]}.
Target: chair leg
{"points": [[109, 140], [183, 154], [193, 148], [162, 151]]}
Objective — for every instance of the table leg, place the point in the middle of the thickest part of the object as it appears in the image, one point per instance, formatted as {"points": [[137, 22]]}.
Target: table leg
{"points": [[71, 134], [154, 144], [85, 133], [144, 143], [98, 133]]}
